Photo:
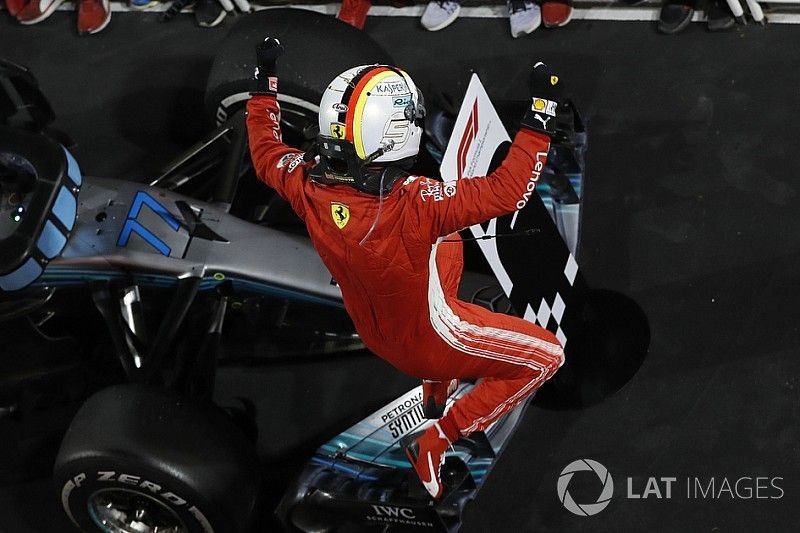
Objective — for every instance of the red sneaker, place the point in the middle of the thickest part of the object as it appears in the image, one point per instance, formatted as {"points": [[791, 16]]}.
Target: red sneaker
{"points": [[37, 10], [93, 16], [426, 455], [434, 397], [556, 13], [15, 6]]}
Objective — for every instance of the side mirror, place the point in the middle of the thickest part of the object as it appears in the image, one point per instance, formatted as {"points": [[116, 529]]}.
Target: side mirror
{"points": [[22, 104]]}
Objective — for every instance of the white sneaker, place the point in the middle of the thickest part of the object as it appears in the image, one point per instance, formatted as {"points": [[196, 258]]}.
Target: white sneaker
{"points": [[440, 14], [524, 16]]}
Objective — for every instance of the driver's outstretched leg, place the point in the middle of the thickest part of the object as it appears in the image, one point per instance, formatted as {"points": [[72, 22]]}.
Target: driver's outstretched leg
{"points": [[512, 364]]}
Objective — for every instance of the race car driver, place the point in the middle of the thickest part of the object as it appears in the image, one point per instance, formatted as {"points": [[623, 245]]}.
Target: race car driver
{"points": [[386, 238]]}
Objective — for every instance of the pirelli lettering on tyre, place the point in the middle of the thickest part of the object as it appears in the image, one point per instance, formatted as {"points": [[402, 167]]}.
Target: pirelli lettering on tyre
{"points": [[138, 481], [141, 483], [538, 167]]}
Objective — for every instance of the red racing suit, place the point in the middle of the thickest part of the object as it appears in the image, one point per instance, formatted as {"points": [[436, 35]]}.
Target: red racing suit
{"points": [[399, 285]]}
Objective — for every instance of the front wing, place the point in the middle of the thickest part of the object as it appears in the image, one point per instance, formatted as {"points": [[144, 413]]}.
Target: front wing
{"points": [[361, 480]]}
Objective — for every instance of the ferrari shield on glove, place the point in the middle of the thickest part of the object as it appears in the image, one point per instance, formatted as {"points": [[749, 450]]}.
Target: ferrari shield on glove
{"points": [[546, 94], [267, 54]]}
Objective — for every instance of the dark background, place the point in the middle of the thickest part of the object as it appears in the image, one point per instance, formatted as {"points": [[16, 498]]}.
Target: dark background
{"points": [[690, 209]]}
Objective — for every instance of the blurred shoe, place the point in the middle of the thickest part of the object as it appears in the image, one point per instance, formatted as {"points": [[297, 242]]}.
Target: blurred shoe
{"points": [[15, 6], [93, 16], [674, 17], [208, 13], [524, 16], [440, 14], [37, 10], [556, 13], [141, 5], [354, 12], [434, 397], [720, 17]]}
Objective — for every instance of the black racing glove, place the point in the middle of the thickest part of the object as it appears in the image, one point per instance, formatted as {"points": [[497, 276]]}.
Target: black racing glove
{"points": [[546, 96], [267, 54]]}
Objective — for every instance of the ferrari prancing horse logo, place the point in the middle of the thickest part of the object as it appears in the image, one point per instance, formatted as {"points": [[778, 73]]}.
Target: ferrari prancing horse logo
{"points": [[340, 214], [337, 130]]}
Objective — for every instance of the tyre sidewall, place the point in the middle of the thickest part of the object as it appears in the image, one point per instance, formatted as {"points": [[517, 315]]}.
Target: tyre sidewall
{"points": [[78, 480]]}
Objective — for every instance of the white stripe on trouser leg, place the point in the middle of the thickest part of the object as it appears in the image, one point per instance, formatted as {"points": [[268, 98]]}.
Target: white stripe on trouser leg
{"points": [[456, 332], [507, 405], [452, 329]]}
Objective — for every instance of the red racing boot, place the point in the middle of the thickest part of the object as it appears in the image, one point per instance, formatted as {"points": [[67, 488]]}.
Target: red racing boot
{"points": [[426, 454], [434, 397]]}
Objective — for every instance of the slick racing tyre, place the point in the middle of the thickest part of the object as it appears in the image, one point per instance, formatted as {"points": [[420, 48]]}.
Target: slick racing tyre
{"points": [[318, 47], [141, 460]]}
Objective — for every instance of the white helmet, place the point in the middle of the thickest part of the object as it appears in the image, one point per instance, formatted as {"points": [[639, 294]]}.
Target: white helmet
{"points": [[369, 114]]}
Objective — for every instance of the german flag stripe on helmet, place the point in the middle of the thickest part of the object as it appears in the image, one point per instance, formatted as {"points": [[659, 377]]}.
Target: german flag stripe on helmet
{"points": [[351, 86], [356, 112]]}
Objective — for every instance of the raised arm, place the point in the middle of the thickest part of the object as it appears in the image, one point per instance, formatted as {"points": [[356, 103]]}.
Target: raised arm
{"points": [[276, 164], [448, 207]]}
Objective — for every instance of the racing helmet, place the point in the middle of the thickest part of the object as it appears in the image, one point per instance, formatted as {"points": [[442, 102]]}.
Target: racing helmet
{"points": [[371, 120]]}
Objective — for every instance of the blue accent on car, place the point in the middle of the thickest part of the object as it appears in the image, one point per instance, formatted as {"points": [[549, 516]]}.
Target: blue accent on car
{"points": [[73, 170], [65, 207], [21, 277], [343, 468], [133, 226], [142, 198], [51, 241]]}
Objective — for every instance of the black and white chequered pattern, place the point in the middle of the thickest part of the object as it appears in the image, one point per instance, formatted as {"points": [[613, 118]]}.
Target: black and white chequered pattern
{"points": [[549, 314]]}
